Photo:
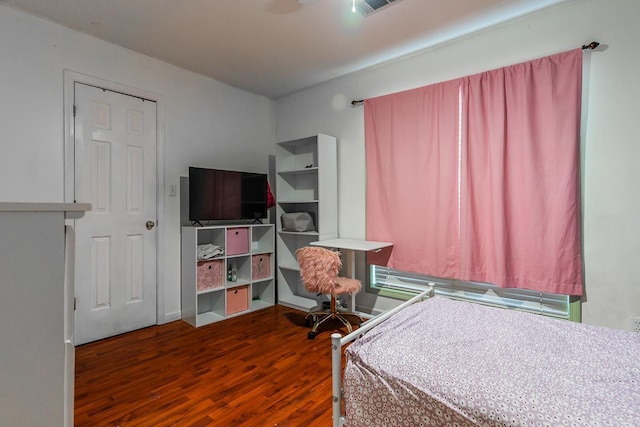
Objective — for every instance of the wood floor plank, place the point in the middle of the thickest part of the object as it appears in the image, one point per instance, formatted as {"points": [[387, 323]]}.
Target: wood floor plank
{"points": [[253, 370]]}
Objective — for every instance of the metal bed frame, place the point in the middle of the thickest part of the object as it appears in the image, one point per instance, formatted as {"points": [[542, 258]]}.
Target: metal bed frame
{"points": [[338, 341]]}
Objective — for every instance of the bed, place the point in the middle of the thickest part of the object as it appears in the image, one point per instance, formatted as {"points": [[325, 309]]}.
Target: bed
{"points": [[441, 362]]}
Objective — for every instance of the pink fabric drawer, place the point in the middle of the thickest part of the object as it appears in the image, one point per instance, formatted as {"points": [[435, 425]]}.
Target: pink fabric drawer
{"points": [[210, 274], [237, 299], [237, 241], [260, 266]]}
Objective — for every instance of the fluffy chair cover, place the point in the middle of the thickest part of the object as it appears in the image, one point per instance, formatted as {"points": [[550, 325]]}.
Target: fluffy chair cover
{"points": [[319, 268]]}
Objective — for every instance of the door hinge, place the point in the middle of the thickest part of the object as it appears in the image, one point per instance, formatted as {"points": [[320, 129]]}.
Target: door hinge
{"points": [[74, 110], [74, 303]]}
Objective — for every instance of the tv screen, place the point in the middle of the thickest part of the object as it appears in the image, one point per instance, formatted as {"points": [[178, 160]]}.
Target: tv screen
{"points": [[216, 194]]}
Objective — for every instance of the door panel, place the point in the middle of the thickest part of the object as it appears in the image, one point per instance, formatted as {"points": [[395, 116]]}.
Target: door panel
{"points": [[115, 169]]}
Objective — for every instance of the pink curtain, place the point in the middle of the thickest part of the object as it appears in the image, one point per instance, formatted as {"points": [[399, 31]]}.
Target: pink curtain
{"points": [[477, 178], [412, 157], [520, 176]]}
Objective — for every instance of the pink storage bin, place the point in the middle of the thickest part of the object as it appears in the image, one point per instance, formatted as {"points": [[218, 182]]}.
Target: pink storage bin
{"points": [[237, 240], [237, 299], [210, 275], [260, 266]]}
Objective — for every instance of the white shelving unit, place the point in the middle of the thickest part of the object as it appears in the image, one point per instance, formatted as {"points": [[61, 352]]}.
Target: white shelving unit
{"points": [[307, 181], [208, 293]]}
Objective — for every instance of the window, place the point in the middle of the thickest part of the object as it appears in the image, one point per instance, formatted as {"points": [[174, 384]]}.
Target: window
{"points": [[394, 283]]}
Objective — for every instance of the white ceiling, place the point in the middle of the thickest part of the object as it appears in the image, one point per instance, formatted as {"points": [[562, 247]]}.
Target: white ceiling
{"points": [[276, 47]]}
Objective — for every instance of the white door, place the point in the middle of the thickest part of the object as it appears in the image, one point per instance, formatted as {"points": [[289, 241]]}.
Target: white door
{"points": [[115, 170]]}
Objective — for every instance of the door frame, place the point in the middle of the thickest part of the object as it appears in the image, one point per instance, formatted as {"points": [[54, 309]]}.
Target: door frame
{"points": [[70, 79]]}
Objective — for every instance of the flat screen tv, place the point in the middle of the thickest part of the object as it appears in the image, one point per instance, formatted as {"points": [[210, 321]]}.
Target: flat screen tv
{"points": [[216, 194]]}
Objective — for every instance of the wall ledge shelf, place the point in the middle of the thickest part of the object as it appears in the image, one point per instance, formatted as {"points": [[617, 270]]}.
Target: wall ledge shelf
{"points": [[43, 207]]}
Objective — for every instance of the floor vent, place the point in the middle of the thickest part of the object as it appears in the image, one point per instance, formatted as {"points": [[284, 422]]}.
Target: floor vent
{"points": [[367, 7]]}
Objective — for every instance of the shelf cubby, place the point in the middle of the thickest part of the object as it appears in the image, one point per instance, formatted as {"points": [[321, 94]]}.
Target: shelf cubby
{"points": [[211, 302]]}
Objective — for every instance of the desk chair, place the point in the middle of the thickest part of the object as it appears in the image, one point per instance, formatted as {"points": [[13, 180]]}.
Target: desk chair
{"points": [[319, 268]]}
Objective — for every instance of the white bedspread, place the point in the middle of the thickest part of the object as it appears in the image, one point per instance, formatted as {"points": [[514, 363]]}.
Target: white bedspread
{"points": [[451, 363]]}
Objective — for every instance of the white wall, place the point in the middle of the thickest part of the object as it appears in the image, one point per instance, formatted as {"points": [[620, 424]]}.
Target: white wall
{"points": [[210, 124], [206, 123], [611, 196]]}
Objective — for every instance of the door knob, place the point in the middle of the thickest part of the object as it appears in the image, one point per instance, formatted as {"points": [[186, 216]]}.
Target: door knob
{"points": [[150, 225]]}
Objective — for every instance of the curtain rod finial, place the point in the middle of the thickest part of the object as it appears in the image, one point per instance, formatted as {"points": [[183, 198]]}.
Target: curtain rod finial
{"points": [[591, 45], [356, 102]]}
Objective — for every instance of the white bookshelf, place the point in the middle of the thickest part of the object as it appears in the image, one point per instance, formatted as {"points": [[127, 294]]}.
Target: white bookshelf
{"points": [[307, 181]]}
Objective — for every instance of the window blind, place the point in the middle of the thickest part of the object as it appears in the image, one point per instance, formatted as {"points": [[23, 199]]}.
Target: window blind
{"points": [[546, 304]]}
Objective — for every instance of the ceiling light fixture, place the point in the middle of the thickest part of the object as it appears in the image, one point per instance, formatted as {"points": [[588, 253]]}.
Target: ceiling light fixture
{"points": [[353, 6]]}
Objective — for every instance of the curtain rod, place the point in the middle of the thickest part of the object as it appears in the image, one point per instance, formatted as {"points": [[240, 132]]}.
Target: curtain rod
{"points": [[590, 46]]}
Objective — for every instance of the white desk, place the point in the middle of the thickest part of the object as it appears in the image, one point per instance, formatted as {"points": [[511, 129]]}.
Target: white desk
{"points": [[350, 246]]}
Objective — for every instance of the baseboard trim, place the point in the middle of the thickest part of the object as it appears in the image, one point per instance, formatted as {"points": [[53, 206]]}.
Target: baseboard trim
{"points": [[170, 317]]}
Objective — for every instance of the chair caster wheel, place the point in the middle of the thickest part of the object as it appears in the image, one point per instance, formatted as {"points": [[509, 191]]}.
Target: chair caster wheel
{"points": [[311, 335]]}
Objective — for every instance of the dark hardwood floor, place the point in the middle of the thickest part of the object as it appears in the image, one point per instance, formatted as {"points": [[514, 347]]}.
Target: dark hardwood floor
{"points": [[253, 370]]}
